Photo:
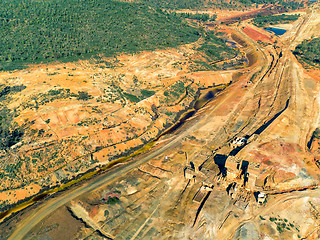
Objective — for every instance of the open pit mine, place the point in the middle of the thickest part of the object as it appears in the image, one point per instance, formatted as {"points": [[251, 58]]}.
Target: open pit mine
{"points": [[231, 153]]}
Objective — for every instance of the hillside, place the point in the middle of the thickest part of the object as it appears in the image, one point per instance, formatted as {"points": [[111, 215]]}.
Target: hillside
{"points": [[37, 31], [262, 21], [203, 4], [309, 51]]}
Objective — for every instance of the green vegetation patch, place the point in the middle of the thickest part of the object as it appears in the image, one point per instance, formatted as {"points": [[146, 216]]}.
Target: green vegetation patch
{"points": [[309, 51], [83, 95], [89, 122], [175, 90], [222, 4], [53, 94], [10, 132], [11, 170], [6, 90], [198, 16], [43, 31], [146, 93], [143, 95], [274, 19], [47, 97], [132, 98], [216, 49], [175, 93], [113, 200]]}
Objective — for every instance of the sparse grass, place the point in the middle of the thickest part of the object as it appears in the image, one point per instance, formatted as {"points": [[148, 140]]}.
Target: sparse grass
{"points": [[10, 132], [146, 93], [89, 122], [283, 224], [132, 98]]}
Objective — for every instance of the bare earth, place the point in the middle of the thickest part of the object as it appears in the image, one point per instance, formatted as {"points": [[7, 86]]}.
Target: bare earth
{"points": [[198, 182]]}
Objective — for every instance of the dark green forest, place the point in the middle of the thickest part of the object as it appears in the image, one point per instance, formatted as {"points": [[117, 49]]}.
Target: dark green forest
{"points": [[309, 51], [36, 31], [198, 16], [222, 4], [274, 19], [10, 132], [40, 31]]}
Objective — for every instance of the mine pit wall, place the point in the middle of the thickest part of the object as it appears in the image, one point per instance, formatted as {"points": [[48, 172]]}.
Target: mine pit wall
{"points": [[303, 110], [237, 38], [249, 50], [288, 88], [264, 125], [276, 91], [252, 58]]}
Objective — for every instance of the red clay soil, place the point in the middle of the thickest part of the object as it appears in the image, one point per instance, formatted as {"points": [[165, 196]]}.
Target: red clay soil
{"points": [[257, 36], [314, 73]]}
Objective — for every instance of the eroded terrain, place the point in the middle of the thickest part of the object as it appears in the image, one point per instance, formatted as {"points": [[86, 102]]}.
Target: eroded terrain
{"points": [[83, 115], [245, 166]]}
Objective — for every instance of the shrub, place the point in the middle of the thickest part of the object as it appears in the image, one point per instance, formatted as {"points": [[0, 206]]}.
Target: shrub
{"points": [[83, 95], [113, 200]]}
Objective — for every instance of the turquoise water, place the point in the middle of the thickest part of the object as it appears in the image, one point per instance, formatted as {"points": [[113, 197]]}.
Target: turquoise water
{"points": [[276, 31]]}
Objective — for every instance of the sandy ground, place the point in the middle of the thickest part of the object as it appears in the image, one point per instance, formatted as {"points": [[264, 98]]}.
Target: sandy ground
{"points": [[194, 184]]}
